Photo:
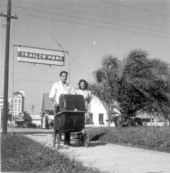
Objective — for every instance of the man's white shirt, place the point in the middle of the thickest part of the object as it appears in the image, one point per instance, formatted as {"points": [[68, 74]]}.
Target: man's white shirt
{"points": [[59, 88]]}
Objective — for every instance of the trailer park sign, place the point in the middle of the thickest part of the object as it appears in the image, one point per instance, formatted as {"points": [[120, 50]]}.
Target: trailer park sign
{"points": [[40, 56]]}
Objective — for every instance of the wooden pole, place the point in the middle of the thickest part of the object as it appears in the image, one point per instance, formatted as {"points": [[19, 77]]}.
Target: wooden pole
{"points": [[6, 67]]}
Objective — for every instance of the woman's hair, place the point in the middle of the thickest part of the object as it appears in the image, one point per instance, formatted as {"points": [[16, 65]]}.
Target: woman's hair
{"points": [[85, 82]]}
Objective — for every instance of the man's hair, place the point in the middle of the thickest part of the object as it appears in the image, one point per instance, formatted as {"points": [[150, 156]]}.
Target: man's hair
{"points": [[63, 72]]}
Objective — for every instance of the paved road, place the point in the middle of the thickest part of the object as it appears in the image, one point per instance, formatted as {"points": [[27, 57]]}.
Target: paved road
{"points": [[112, 158]]}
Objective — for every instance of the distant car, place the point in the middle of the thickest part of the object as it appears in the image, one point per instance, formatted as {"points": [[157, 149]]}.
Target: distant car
{"points": [[153, 122]]}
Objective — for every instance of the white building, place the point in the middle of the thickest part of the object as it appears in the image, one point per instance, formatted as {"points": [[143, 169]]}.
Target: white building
{"points": [[17, 102], [36, 119], [98, 115]]}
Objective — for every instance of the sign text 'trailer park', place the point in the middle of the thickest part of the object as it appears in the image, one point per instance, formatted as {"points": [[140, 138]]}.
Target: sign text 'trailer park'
{"points": [[40, 56]]}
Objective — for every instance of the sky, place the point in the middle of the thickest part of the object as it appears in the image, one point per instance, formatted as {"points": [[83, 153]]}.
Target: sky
{"points": [[88, 30]]}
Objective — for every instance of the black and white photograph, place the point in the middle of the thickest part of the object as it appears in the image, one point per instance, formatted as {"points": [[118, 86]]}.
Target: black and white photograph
{"points": [[85, 86]]}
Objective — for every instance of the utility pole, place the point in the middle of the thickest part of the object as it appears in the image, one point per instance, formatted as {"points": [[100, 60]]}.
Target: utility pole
{"points": [[6, 65]]}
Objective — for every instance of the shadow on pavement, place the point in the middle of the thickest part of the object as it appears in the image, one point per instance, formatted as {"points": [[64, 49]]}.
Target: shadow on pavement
{"points": [[96, 137], [92, 144], [96, 143]]}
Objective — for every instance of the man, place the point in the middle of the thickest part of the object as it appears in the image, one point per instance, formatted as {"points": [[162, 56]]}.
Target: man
{"points": [[58, 88]]}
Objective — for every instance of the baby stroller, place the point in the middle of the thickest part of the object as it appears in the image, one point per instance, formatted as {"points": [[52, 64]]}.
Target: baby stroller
{"points": [[70, 118]]}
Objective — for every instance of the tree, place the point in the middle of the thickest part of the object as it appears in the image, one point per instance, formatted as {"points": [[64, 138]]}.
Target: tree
{"points": [[145, 84], [137, 83], [107, 85], [27, 118]]}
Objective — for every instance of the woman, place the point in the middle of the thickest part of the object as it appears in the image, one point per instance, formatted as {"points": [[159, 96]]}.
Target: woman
{"points": [[83, 90]]}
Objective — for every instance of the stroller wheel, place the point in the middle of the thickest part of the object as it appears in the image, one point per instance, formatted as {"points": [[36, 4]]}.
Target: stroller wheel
{"points": [[58, 140], [58, 136], [80, 138], [87, 142]]}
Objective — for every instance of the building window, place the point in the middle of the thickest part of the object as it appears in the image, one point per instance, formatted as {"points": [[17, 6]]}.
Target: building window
{"points": [[101, 119], [89, 118]]}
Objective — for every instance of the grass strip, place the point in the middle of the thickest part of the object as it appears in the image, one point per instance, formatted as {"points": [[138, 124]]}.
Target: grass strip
{"points": [[21, 154], [152, 138]]}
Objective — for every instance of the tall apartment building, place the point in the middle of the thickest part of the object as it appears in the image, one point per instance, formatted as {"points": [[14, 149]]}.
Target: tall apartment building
{"points": [[17, 102]]}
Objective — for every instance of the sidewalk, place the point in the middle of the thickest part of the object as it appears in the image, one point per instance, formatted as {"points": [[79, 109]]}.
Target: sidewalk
{"points": [[112, 158]]}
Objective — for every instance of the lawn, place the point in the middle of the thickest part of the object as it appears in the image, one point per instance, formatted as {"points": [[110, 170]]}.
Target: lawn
{"points": [[152, 138], [21, 154]]}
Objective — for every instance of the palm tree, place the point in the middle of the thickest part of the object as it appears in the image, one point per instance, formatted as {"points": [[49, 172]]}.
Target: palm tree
{"points": [[160, 88], [147, 82], [137, 83], [134, 82], [107, 86]]}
